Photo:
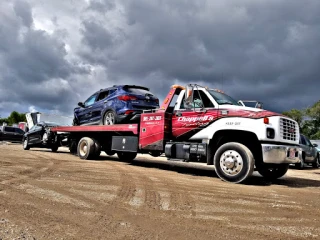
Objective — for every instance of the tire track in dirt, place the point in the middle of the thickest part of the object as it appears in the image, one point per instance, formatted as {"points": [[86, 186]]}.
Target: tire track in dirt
{"points": [[162, 192], [34, 170]]}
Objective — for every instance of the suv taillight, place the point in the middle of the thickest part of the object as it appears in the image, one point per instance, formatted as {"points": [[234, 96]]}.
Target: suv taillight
{"points": [[127, 98]]}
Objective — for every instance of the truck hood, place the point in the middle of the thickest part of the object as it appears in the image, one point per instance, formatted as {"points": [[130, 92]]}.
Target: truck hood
{"points": [[241, 111]]}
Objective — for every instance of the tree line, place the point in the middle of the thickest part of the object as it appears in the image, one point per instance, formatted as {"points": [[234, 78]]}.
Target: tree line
{"points": [[308, 120], [13, 118]]}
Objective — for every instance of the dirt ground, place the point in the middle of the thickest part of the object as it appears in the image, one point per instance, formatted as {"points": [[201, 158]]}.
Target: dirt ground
{"points": [[45, 195]]}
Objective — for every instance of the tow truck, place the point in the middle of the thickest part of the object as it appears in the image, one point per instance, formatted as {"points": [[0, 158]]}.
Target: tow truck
{"points": [[197, 124]]}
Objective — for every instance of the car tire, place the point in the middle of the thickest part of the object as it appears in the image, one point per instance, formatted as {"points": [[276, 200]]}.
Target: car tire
{"points": [[54, 148], [126, 156], [233, 162], [109, 118], [316, 163], [155, 153], [25, 144], [110, 153], [300, 165], [274, 171]]}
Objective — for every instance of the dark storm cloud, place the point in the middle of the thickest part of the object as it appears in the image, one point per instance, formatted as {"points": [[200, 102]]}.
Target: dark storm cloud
{"points": [[23, 10], [33, 63], [252, 49], [101, 6]]}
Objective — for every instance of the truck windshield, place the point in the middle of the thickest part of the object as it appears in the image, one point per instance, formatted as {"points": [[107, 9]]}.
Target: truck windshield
{"points": [[222, 98]]}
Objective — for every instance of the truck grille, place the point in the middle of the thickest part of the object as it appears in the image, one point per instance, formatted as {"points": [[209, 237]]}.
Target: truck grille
{"points": [[288, 129]]}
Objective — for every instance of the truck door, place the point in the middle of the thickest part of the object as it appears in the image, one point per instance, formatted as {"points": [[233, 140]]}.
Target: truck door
{"points": [[188, 120]]}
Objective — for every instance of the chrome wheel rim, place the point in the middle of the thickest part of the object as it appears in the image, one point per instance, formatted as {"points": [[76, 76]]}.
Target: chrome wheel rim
{"points": [[109, 118], [83, 148], [231, 162], [45, 137], [25, 143]]}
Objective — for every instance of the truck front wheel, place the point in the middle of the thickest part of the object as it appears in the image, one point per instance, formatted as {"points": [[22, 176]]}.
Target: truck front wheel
{"points": [[274, 171], [233, 162]]}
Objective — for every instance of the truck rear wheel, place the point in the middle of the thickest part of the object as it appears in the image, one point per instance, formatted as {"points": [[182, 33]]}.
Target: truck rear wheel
{"points": [[97, 148], [273, 171], [86, 148], [127, 156], [54, 148], [233, 162]]}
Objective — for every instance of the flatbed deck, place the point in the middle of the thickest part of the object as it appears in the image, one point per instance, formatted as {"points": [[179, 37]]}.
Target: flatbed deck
{"points": [[132, 128]]}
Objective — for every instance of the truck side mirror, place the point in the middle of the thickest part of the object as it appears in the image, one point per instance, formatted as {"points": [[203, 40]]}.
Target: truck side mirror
{"points": [[80, 104]]}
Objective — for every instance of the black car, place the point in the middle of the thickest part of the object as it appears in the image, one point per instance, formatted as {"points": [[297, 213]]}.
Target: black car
{"points": [[39, 136], [310, 154], [11, 134]]}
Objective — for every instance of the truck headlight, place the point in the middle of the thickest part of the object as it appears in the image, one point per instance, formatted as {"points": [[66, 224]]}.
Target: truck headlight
{"points": [[270, 133]]}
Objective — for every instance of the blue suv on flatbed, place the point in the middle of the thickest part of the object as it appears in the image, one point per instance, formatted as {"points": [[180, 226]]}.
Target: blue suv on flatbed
{"points": [[117, 104]]}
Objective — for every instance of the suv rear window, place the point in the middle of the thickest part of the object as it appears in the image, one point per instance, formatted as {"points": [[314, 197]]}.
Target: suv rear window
{"points": [[138, 91]]}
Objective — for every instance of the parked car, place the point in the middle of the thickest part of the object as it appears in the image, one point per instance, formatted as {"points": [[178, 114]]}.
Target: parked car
{"points": [[38, 136], [310, 154], [11, 134], [117, 104]]}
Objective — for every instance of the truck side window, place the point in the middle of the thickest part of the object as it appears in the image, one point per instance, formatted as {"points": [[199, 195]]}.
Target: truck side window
{"points": [[200, 99]]}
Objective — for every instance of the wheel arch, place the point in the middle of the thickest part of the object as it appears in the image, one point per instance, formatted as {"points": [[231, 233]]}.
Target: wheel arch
{"points": [[247, 138], [105, 110]]}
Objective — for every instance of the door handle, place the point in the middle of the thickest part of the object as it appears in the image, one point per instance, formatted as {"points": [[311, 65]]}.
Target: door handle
{"points": [[90, 107], [178, 114]]}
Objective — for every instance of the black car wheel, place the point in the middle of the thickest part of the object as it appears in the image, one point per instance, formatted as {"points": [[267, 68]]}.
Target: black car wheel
{"points": [[109, 118], [300, 165], [316, 163], [25, 144], [273, 171], [54, 148], [127, 156]]}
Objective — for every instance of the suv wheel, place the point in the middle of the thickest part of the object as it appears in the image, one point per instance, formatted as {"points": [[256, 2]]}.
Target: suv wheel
{"points": [[109, 118]]}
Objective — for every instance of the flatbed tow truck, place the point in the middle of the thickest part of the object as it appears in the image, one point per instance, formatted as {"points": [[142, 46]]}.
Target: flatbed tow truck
{"points": [[197, 124]]}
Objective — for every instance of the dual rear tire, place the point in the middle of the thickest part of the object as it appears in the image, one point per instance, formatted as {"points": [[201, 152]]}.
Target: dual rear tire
{"points": [[89, 148]]}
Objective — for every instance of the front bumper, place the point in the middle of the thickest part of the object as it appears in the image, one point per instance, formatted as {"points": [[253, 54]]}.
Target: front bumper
{"points": [[281, 154]]}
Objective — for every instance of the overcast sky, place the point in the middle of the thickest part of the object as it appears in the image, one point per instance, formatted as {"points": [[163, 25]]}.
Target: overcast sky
{"points": [[55, 53]]}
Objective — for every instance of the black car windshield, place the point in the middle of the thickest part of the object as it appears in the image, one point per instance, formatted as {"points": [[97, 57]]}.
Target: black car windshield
{"points": [[222, 98]]}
